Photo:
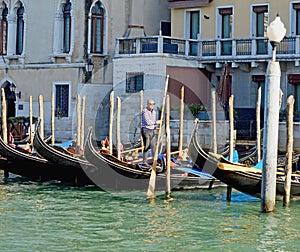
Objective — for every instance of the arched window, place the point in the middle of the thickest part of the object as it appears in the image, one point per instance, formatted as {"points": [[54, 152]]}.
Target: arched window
{"points": [[97, 28], [67, 26], [3, 31], [20, 30]]}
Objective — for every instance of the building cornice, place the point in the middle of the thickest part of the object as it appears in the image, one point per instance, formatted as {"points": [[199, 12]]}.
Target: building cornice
{"points": [[187, 3]]}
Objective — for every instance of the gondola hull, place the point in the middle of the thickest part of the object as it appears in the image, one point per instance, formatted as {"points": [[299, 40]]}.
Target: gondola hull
{"points": [[238, 176], [114, 174], [71, 169], [25, 164]]}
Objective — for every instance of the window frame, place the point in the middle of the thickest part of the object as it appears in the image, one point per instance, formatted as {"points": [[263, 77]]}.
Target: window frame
{"points": [[55, 90], [260, 81], [219, 19], [254, 10], [3, 30], [134, 76], [188, 25], [20, 25], [294, 80], [59, 45], [294, 17], [91, 39], [67, 26], [225, 13]]}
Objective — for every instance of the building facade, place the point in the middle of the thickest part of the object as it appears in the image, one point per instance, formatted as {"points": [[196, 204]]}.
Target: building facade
{"points": [[134, 45], [46, 45], [205, 36]]}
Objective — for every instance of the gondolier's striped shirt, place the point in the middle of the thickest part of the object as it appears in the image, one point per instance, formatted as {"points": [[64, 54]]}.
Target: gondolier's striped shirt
{"points": [[148, 119]]}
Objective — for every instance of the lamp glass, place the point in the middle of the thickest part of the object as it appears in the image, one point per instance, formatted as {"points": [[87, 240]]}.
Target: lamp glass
{"points": [[276, 30], [89, 66], [12, 87]]}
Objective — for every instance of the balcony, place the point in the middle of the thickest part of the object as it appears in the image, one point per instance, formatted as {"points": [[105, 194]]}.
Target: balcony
{"points": [[210, 51]]}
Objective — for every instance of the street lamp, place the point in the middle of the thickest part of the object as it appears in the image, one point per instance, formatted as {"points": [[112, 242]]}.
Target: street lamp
{"points": [[275, 33], [12, 88], [89, 67]]}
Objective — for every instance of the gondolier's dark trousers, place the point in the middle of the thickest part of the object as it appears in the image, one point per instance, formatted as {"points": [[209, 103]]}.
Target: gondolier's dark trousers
{"points": [[149, 140]]}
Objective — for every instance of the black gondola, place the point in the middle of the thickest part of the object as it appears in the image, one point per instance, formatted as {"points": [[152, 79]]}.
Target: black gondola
{"points": [[72, 168], [239, 176], [23, 163], [116, 174]]}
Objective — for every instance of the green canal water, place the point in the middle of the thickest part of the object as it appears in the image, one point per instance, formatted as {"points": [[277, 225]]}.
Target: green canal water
{"points": [[51, 217]]}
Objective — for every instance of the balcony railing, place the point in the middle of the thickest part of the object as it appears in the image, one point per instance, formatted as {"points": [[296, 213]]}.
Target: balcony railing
{"points": [[238, 49]]}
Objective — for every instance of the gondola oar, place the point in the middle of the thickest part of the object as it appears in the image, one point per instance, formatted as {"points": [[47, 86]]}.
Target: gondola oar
{"points": [[151, 187]]}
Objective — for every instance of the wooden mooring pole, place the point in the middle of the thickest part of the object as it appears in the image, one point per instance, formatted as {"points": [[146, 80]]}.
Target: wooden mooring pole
{"points": [[4, 124], [180, 144], [258, 143], [111, 121], [214, 121], [78, 111], [140, 126], [41, 107], [30, 120], [82, 124], [52, 119], [168, 148], [231, 140], [118, 136], [289, 154], [4, 117]]}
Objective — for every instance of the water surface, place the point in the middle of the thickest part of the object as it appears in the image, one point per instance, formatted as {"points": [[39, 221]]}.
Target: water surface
{"points": [[52, 217]]}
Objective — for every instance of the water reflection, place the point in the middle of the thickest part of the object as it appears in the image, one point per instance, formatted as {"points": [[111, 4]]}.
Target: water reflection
{"points": [[57, 218], [245, 226], [163, 221], [277, 229]]}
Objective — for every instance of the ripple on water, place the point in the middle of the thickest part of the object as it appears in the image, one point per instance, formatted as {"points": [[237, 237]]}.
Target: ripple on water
{"points": [[51, 217]]}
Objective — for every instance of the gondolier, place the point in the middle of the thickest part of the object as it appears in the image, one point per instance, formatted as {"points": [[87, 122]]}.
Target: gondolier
{"points": [[149, 124]]}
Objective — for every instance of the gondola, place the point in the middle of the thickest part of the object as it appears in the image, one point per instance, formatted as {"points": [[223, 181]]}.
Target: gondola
{"points": [[249, 158], [33, 166], [72, 168], [115, 174], [245, 179], [23, 163]]}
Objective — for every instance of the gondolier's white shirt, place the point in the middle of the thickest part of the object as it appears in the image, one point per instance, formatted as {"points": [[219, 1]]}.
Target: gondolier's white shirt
{"points": [[148, 119]]}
